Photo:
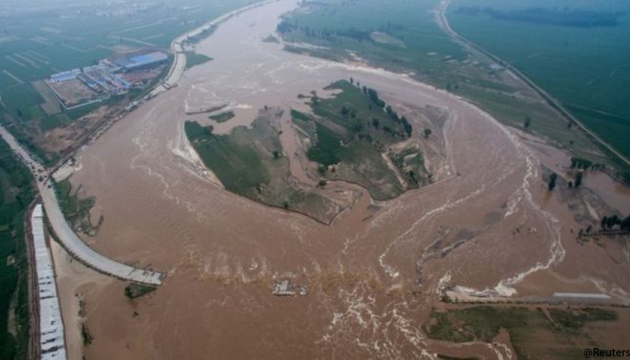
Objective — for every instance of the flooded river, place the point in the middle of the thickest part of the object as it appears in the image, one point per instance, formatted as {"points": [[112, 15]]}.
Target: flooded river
{"points": [[487, 227]]}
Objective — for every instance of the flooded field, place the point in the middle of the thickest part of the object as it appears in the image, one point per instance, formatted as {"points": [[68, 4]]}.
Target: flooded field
{"points": [[488, 228]]}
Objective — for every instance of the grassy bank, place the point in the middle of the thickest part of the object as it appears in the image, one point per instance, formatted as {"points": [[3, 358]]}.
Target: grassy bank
{"points": [[534, 334], [16, 192]]}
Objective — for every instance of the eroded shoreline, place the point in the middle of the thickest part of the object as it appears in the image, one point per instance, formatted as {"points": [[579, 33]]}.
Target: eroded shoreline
{"points": [[223, 252]]}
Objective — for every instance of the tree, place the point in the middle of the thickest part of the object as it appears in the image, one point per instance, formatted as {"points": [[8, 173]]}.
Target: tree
{"points": [[578, 163], [625, 224], [552, 181], [527, 123], [373, 95], [407, 126], [356, 125], [344, 111], [604, 222], [376, 123], [427, 132], [322, 183], [611, 221], [276, 154], [351, 81], [578, 179]]}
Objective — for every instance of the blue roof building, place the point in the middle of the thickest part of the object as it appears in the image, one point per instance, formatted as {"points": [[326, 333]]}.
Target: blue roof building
{"points": [[142, 61]]}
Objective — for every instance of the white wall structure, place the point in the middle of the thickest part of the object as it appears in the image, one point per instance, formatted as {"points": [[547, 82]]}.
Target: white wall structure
{"points": [[66, 235], [50, 321]]}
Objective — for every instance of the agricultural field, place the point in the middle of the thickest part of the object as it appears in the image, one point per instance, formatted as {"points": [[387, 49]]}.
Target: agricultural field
{"points": [[534, 333], [578, 54], [16, 192], [72, 35], [404, 36]]}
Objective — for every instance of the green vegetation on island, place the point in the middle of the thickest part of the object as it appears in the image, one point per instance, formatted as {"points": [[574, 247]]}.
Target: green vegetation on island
{"points": [[193, 59], [351, 136], [222, 117], [77, 209], [534, 334], [134, 291], [16, 192], [249, 162]]}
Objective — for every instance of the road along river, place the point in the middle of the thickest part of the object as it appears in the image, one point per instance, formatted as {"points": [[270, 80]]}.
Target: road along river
{"points": [[487, 230], [66, 235]]}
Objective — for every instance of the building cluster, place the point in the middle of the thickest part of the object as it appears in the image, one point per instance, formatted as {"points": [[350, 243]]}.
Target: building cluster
{"points": [[65, 76], [108, 74], [50, 322]]}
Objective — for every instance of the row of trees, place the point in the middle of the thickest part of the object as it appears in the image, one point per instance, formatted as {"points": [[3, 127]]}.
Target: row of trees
{"points": [[610, 222], [576, 183], [328, 35], [332, 35], [391, 113]]}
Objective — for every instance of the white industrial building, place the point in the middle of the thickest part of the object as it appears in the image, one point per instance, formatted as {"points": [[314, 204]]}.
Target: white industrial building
{"points": [[50, 322], [65, 76]]}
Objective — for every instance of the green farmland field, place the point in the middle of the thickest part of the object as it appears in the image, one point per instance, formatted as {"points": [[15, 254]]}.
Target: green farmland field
{"points": [[586, 68]]}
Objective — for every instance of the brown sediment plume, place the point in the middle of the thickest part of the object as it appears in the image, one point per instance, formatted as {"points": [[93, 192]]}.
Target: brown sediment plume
{"points": [[487, 226]]}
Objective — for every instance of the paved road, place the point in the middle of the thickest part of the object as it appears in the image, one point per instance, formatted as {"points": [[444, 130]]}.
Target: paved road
{"points": [[67, 237], [553, 102], [178, 48]]}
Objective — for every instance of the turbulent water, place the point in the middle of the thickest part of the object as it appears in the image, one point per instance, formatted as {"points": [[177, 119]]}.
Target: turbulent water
{"points": [[485, 228]]}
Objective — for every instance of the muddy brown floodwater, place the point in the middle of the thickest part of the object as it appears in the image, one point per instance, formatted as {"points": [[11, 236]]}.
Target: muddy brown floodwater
{"points": [[488, 227]]}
